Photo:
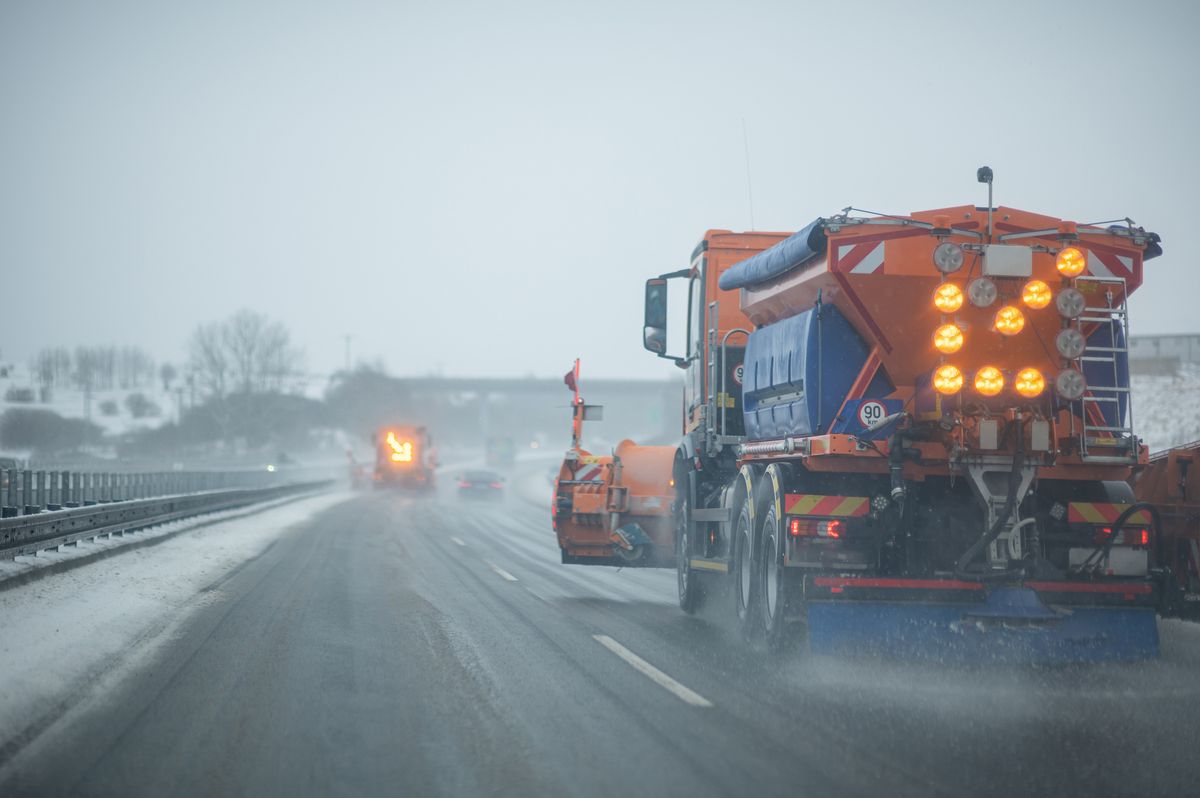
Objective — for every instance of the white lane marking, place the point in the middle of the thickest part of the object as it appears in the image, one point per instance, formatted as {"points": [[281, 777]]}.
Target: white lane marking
{"points": [[459, 541], [505, 575], [684, 694]]}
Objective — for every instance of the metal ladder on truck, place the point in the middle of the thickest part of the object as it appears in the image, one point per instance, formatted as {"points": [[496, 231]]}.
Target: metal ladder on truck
{"points": [[1102, 440]]}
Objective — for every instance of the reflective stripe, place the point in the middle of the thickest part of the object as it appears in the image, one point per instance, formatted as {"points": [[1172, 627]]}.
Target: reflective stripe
{"points": [[827, 506], [1102, 513]]}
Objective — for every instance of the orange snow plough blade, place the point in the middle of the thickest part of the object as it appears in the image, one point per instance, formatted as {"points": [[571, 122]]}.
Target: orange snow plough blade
{"points": [[613, 509]]}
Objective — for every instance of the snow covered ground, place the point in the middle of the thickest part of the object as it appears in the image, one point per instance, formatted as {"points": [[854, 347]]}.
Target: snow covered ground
{"points": [[68, 635], [1166, 410], [72, 403]]}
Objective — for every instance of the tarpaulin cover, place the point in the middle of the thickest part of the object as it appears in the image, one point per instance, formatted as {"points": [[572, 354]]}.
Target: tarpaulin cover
{"points": [[791, 386], [795, 250]]}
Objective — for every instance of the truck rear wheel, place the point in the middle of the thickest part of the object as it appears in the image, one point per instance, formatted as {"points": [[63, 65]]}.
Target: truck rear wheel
{"points": [[691, 592], [772, 582], [744, 593]]}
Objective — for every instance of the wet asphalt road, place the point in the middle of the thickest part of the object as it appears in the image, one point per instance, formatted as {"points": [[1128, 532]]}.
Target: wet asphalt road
{"points": [[426, 646]]}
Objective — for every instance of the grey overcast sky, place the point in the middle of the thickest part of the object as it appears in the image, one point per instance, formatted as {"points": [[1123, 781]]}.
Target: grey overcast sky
{"points": [[480, 189]]}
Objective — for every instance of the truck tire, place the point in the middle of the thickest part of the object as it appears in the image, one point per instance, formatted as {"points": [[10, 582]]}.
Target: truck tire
{"points": [[743, 572], [691, 592], [772, 583]]}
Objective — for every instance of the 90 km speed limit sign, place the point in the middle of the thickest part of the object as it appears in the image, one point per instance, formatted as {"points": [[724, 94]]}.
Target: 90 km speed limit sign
{"points": [[871, 412]]}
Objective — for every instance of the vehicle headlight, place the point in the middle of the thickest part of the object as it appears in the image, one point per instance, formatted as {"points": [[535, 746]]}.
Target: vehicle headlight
{"points": [[1070, 303], [948, 339], [1036, 294], [948, 257], [1009, 320], [948, 298], [1030, 383], [1070, 384], [989, 381], [948, 380], [982, 292], [1070, 262], [1070, 343]]}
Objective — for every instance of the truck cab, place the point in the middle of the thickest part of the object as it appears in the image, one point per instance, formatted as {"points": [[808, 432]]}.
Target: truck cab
{"points": [[714, 339]]}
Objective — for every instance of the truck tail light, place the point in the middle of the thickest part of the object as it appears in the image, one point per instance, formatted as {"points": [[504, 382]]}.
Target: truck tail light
{"points": [[814, 528], [1130, 536]]}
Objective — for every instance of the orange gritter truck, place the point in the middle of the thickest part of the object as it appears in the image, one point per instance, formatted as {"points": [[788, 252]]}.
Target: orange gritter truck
{"points": [[1170, 482], [404, 458], [907, 432]]}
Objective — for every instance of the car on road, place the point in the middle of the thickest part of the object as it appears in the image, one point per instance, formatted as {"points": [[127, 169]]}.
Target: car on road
{"points": [[480, 485]]}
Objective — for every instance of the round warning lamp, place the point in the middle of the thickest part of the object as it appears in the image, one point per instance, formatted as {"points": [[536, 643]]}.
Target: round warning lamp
{"points": [[1070, 343], [982, 292], [1009, 320], [989, 381], [1070, 303], [1070, 262], [948, 380], [1070, 384], [948, 339], [1030, 383], [948, 257], [948, 298], [1036, 294]]}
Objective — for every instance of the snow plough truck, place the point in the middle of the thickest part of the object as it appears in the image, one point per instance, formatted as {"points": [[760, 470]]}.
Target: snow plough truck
{"points": [[404, 458], [910, 433]]}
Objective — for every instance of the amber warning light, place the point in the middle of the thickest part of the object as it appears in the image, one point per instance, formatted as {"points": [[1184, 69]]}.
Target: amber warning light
{"points": [[402, 451]]}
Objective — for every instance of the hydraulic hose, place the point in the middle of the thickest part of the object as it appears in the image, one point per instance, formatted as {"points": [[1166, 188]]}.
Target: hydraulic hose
{"points": [[1010, 503]]}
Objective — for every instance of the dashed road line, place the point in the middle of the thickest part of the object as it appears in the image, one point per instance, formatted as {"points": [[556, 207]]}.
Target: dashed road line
{"points": [[685, 694], [505, 575], [459, 541]]}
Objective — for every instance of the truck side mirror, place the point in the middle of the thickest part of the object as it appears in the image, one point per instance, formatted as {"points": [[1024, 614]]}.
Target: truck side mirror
{"points": [[654, 334]]}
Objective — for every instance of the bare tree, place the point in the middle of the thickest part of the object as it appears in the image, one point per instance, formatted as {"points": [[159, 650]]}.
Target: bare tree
{"points": [[247, 353], [167, 374], [133, 367], [209, 360], [86, 368]]}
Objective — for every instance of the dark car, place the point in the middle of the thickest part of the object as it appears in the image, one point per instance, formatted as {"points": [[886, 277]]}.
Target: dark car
{"points": [[480, 485]]}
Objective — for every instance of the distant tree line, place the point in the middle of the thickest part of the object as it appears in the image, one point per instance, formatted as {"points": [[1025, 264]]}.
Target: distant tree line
{"points": [[238, 372], [93, 368]]}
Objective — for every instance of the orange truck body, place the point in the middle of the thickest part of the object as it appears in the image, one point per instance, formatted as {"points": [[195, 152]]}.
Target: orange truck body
{"points": [[968, 459], [1171, 482]]}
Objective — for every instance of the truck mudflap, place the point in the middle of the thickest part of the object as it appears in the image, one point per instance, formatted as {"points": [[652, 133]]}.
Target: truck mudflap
{"points": [[1036, 623]]}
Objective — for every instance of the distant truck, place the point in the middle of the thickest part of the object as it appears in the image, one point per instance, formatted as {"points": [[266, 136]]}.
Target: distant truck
{"points": [[404, 458], [500, 452]]}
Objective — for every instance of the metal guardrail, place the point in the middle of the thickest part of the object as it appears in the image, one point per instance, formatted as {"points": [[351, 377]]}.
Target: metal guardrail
{"points": [[24, 491], [27, 534]]}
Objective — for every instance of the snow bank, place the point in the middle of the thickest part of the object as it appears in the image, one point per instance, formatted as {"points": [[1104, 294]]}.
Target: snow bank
{"points": [[1166, 410]]}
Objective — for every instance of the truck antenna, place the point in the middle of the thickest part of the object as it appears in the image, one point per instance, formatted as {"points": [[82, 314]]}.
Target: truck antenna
{"points": [[749, 187], [984, 175]]}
